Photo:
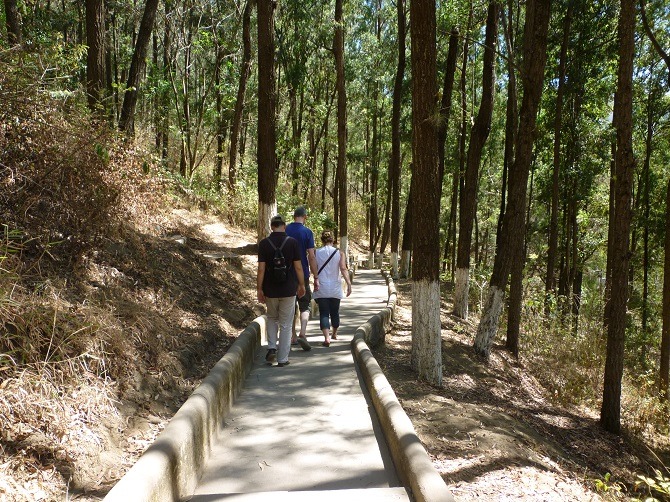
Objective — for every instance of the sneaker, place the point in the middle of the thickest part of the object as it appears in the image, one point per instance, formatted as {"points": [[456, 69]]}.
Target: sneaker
{"points": [[271, 355], [281, 365], [304, 343]]}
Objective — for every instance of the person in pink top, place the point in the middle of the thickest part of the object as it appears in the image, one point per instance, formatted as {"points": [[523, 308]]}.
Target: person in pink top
{"points": [[332, 268]]}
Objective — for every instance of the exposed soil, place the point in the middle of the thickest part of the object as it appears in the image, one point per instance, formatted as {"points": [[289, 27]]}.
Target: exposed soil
{"points": [[493, 434], [490, 430]]}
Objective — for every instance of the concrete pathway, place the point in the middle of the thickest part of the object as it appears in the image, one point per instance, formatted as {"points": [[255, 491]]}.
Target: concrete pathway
{"points": [[308, 427]]}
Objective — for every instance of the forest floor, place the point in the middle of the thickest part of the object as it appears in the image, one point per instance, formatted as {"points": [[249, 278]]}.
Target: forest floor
{"points": [[490, 429], [494, 434]]}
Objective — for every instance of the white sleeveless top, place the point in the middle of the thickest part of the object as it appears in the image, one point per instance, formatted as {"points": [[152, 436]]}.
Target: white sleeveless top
{"points": [[330, 282]]}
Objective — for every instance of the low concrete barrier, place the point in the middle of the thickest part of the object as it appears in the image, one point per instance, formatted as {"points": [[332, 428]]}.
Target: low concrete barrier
{"points": [[410, 458], [169, 469]]}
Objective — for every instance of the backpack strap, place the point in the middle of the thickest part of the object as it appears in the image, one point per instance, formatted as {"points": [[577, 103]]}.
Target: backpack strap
{"points": [[273, 244], [326, 262]]}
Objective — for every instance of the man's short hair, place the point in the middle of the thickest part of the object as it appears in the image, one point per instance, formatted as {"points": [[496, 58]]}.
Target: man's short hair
{"points": [[300, 212], [277, 221]]}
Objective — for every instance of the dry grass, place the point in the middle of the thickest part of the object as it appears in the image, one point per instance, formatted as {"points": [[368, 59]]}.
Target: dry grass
{"points": [[105, 324]]}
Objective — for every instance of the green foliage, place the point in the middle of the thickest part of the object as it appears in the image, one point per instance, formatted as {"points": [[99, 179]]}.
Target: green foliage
{"points": [[657, 487], [606, 485]]}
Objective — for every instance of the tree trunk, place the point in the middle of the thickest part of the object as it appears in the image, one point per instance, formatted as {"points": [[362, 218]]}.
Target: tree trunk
{"points": [[220, 122], [266, 148], [511, 117], [654, 41], [534, 58], [13, 22], [610, 238], [445, 105], [478, 136], [406, 255], [515, 304], [426, 327], [610, 412], [558, 124], [95, 55], [245, 72], [445, 111], [395, 168], [338, 48], [645, 236], [167, 68], [458, 182], [127, 120], [664, 376]]}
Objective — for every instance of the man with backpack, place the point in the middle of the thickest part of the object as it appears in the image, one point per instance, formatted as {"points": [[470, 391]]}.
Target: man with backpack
{"points": [[278, 279], [305, 237]]}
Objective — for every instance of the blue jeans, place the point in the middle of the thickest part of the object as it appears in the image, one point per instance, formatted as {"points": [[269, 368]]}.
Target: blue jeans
{"points": [[329, 311]]}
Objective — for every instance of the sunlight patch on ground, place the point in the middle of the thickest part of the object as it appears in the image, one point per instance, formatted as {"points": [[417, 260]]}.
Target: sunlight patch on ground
{"points": [[527, 483], [215, 230]]}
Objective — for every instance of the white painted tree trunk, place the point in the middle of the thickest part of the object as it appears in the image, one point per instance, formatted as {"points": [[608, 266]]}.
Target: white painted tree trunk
{"points": [[394, 264], [344, 245], [405, 261], [380, 260], [462, 292], [488, 325], [427, 331], [371, 260], [265, 214]]}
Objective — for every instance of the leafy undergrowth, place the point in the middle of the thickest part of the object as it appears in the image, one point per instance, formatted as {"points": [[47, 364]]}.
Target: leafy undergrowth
{"points": [[495, 432]]}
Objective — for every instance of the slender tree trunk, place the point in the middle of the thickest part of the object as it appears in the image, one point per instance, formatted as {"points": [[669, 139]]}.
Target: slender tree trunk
{"points": [[610, 238], [395, 163], [324, 178], [664, 375], [95, 55], [510, 241], [511, 118], [515, 305], [221, 123], [426, 327], [406, 255], [266, 152], [558, 124], [338, 47], [610, 412], [478, 136], [127, 120], [445, 112], [645, 236], [13, 22], [373, 210], [445, 105], [458, 182], [654, 41]]}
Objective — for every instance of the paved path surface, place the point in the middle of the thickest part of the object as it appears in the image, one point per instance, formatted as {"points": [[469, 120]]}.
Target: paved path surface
{"points": [[307, 427]]}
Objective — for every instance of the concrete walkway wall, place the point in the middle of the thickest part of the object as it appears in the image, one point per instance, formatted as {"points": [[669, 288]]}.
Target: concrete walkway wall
{"points": [[169, 469], [411, 460]]}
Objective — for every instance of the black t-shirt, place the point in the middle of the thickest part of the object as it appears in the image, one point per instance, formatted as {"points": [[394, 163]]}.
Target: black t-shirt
{"points": [[291, 252]]}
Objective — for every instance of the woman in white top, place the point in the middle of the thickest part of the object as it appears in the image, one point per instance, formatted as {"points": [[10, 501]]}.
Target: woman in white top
{"points": [[332, 266]]}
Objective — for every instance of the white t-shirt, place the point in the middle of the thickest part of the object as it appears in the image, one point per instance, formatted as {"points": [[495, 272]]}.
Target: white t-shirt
{"points": [[330, 282]]}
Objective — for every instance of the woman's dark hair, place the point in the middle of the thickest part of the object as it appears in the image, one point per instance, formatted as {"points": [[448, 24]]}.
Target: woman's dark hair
{"points": [[327, 237]]}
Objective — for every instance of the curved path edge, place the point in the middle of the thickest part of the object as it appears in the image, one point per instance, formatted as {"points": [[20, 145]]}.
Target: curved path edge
{"points": [[169, 469], [410, 458]]}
